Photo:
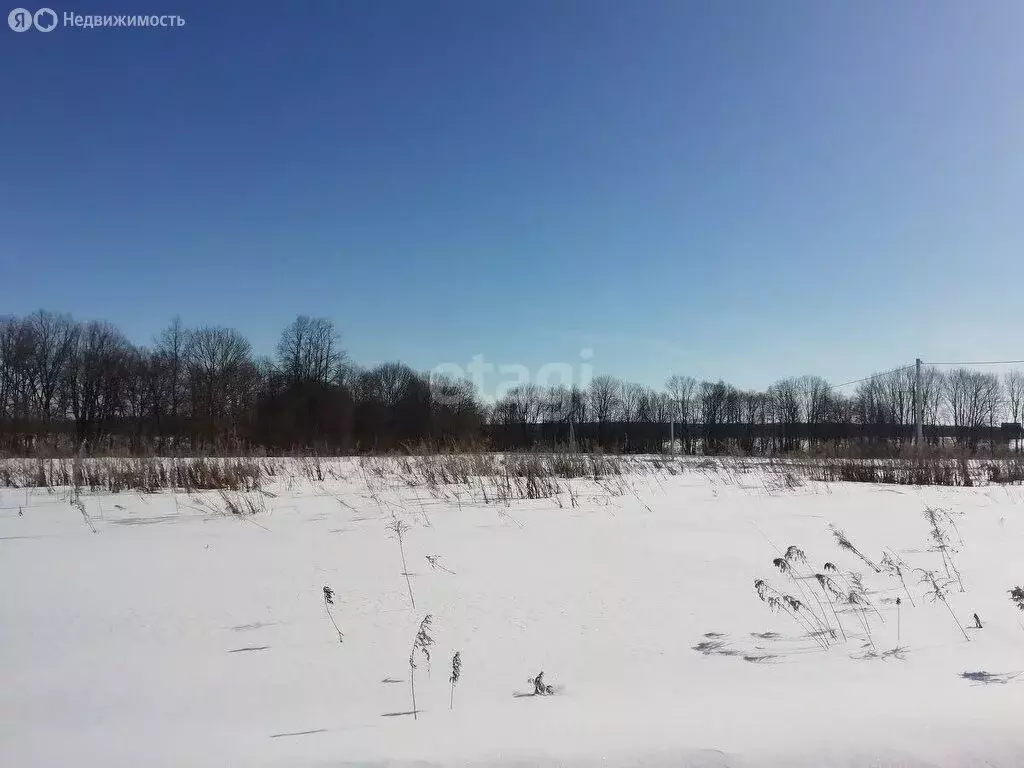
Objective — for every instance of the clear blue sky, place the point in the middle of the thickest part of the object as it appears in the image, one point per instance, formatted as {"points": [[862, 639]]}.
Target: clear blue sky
{"points": [[736, 189]]}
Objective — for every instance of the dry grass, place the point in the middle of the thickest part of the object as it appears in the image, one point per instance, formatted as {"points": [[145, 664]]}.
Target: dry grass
{"points": [[497, 478], [504, 478], [243, 503], [152, 474], [147, 475], [950, 468]]}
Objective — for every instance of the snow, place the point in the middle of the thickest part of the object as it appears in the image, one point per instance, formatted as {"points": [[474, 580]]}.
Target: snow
{"points": [[177, 635]]}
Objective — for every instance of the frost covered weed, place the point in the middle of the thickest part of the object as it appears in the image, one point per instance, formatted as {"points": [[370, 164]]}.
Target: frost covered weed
{"points": [[328, 602], [858, 603], [857, 585], [421, 645], [791, 564], [792, 607], [941, 522], [435, 563], [937, 592], [845, 543], [832, 593], [454, 677], [1017, 597], [77, 503], [838, 592], [398, 529], [895, 567]]}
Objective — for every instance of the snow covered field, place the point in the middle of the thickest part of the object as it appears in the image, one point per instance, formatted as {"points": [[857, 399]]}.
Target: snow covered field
{"points": [[158, 630]]}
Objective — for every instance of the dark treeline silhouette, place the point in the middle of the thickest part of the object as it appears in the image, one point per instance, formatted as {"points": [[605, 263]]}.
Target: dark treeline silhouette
{"points": [[84, 386], [203, 389], [962, 407]]}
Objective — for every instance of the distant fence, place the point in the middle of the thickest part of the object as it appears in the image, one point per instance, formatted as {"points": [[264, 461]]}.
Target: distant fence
{"points": [[654, 436], [628, 437]]}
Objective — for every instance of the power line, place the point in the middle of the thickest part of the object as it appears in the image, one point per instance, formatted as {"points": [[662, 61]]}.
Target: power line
{"points": [[830, 387], [873, 376], [981, 362]]}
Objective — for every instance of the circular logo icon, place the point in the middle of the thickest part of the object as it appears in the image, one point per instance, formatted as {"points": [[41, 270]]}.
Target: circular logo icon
{"points": [[45, 20], [20, 20]]}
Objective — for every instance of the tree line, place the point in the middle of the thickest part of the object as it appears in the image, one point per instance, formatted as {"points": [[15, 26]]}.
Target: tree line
{"points": [[84, 384], [715, 416], [204, 388]]}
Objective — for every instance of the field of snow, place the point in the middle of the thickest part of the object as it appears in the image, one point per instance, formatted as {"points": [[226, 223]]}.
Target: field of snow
{"points": [[159, 630]]}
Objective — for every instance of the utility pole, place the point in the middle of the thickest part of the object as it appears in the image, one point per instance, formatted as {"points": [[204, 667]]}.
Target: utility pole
{"points": [[918, 406]]}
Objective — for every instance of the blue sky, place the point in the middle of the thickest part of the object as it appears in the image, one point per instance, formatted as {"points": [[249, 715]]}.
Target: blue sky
{"points": [[735, 189]]}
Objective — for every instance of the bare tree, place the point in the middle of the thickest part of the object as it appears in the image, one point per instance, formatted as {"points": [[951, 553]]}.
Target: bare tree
{"points": [[522, 406], [815, 394], [95, 377], [788, 400], [455, 394], [53, 340], [898, 391], [308, 350], [662, 406], [604, 398], [647, 411], [15, 372], [529, 401], [555, 406], [754, 413], [712, 406], [870, 403], [973, 399], [577, 405], [842, 409], [992, 398], [456, 409], [137, 388], [933, 384], [220, 370], [681, 389], [389, 382], [630, 401], [169, 384], [1013, 384]]}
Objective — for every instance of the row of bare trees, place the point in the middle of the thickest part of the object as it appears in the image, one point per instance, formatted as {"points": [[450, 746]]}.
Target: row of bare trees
{"points": [[962, 398], [87, 383]]}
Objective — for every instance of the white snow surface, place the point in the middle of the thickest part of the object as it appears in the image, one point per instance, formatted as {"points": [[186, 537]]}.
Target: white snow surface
{"points": [[177, 636]]}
